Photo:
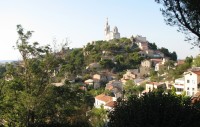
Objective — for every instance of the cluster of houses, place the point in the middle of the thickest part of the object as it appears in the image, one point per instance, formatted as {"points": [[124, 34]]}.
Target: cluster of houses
{"points": [[146, 51], [156, 61], [188, 84], [113, 86]]}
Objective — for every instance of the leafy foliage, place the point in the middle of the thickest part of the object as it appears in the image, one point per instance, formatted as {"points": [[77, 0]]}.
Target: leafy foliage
{"points": [[152, 46], [154, 110], [98, 117], [185, 14], [172, 56], [2, 71], [132, 89], [28, 98], [107, 64], [196, 61]]}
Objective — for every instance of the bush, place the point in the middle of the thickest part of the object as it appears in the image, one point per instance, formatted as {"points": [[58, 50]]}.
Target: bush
{"points": [[155, 110]]}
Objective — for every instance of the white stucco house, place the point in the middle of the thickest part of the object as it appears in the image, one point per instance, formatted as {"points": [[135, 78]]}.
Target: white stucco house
{"points": [[153, 85], [179, 85], [192, 82], [105, 101]]}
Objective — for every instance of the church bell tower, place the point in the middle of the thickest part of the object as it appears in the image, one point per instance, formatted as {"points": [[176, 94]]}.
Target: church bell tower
{"points": [[107, 28]]}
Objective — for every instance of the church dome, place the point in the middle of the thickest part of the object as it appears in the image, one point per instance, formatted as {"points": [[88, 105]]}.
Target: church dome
{"points": [[115, 30]]}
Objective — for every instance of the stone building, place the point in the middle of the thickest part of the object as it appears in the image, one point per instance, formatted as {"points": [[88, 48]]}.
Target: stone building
{"points": [[109, 35]]}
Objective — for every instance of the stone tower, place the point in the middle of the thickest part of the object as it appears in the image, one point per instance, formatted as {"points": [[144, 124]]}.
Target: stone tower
{"points": [[109, 35]]}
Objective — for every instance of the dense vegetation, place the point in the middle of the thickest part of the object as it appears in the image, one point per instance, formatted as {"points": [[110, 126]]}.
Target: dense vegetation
{"points": [[155, 109], [117, 54], [170, 72], [27, 96]]}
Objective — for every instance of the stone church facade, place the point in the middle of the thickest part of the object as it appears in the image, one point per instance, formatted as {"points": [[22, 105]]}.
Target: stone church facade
{"points": [[109, 35]]}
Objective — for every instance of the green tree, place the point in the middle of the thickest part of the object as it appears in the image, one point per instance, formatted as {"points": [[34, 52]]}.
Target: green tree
{"points": [[173, 56], [154, 109], [129, 88], [180, 69], [107, 64], [169, 64], [120, 62], [189, 60], [74, 63], [185, 14], [63, 106], [29, 99], [98, 117], [196, 61], [89, 47], [133, 60], [140, 89], [154, 76], [152, 46], [165, 51], [2, 71], [30, 81]]}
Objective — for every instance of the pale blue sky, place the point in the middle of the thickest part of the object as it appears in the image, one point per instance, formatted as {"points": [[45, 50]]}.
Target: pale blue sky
{"points": [[82, 21]]}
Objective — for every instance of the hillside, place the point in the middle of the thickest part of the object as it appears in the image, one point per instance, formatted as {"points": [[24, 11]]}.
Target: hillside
{"points": [[115, 55]]}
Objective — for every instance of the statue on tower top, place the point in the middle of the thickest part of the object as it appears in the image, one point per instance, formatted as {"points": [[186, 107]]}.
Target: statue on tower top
{"points": [[107, 21]]}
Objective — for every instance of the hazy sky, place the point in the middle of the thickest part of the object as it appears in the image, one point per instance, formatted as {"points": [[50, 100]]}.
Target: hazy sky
{"points": [[82, 21]]}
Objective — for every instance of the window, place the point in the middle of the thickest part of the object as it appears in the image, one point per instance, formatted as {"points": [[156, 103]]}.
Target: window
{"points": [[188, 81], [179, 89], [149, 88], [188, 88], [188, 93], [199, 86], [193, 89]]}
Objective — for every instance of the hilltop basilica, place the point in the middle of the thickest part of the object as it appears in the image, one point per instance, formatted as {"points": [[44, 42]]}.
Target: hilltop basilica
{"points": [[109, 35]]}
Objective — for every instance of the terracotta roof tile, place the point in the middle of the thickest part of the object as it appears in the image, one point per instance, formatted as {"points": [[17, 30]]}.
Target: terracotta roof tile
{"points": [[196, 72], [111, 104], [104, 98], [156, 60]]}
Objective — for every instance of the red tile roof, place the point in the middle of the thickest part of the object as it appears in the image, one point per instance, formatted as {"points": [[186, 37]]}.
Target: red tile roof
{"points": [[196, 72], [196, 98], [111, 104], [104, 98], [156, 60]]}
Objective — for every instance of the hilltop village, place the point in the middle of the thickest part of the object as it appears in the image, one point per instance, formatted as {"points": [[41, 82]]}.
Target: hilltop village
{"points": [[89, 80], [118, 67]]}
